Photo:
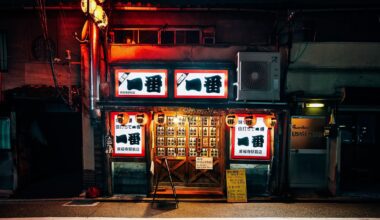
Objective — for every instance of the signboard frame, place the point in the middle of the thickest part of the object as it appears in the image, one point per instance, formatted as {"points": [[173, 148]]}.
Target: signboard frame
{"points": [[268, 141], [224, 83], [142, 71], [142, 132]]}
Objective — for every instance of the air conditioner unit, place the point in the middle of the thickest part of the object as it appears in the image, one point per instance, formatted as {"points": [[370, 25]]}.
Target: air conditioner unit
{"points": [[258, 76]]}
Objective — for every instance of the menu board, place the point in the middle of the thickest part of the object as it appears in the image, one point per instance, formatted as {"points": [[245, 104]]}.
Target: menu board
{"points": [[251, 142], [204, 163], [200, 83], [236, 185], [129, 139], [148, 83]]}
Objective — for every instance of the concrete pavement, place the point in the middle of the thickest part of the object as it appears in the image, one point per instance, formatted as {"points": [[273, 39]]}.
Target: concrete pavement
{"points": [[39, 209], [108, 218]]}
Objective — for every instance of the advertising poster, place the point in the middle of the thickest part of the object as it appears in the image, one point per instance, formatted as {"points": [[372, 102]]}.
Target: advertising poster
{"points": [[251, 142], [149, 83], [129, 139], [200, 83]]}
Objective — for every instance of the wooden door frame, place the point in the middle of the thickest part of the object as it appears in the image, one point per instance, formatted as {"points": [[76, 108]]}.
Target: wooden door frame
{"points": [[188, 161]]}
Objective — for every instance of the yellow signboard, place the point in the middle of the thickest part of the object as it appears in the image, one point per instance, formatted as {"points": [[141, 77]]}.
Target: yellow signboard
{"points": [[236, 186]]}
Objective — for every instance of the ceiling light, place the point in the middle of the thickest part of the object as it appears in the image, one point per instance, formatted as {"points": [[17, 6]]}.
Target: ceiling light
{"points": [[315, 105]]}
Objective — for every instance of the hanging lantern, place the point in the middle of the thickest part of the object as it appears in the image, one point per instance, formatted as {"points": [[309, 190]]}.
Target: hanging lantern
{"points": [[100, 17], [123, 118], [142, 118], [231, 120], [270, 122], [91, 9], [104, 23], [250, 120], [160, 118]]}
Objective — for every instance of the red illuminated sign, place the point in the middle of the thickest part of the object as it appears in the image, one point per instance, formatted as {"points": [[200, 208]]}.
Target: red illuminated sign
{"points": [[147, 83], [129, 136], [251, 142], [205, 84]]}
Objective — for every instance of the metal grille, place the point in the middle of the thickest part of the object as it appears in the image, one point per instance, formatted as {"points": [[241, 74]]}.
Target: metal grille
{"points": [[255, 76]]}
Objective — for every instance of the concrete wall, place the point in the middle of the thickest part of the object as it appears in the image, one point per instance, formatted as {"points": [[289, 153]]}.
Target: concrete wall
{"points": [[22, 28], [125, 53], [323, 68]]}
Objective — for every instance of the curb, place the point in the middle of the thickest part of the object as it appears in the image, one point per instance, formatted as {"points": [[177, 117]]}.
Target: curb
{"points": [[268, 199]]}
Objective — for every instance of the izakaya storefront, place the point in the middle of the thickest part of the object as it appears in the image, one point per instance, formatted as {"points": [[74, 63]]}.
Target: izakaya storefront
{"points": [[185, 112]]}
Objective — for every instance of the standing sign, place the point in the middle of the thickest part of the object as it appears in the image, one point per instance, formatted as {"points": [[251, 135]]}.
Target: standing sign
{"points": [[129, 139], [236, 185], [251, 142], [201, 84], [149, 83], [204, 163]]}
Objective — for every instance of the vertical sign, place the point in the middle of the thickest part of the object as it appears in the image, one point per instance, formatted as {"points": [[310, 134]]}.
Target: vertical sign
{"points": [[236, 186], [201, 84], [251, 142], [129, 139], [149, 83]]}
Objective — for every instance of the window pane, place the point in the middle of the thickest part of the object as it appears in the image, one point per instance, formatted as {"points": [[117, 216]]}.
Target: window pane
{"points": [[167, 37], [180, 37], [148, 37], [209, 40], [121, 36], [131, 37], [192, 37]]}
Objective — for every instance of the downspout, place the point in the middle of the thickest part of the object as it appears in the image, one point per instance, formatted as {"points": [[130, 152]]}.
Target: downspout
{"points": [[94, 68]]}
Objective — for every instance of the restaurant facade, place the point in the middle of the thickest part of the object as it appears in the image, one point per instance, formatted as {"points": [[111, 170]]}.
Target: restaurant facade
{"points": [[203, 90]]}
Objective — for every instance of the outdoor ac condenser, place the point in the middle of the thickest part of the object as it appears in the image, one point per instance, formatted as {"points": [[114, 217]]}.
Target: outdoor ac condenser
{"points": [[258, 76]]}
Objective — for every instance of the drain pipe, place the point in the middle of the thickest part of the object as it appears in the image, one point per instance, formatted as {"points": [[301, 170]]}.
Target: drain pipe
{"points": [[94, 68]]}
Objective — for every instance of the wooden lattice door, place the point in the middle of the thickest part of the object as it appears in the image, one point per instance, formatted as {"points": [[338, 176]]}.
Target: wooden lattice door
{"points": [[181, 138]]}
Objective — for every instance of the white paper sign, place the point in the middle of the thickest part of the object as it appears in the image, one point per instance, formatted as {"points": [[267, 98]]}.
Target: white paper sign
{"points": [[204, 163], [141, 83], [201, 83], [129, 138], [250, 142]]}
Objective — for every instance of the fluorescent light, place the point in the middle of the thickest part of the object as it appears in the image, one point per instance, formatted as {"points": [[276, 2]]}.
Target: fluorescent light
{"points": [[315, 105]]}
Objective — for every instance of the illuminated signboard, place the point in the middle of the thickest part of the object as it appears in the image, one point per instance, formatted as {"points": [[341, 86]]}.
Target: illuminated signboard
{"points": [[201, 84], [251, 142], [129, 138], [149, 83]]}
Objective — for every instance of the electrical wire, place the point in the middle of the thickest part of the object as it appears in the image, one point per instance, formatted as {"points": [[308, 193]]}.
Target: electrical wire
{"points": [[43, 21], [300, 54]]}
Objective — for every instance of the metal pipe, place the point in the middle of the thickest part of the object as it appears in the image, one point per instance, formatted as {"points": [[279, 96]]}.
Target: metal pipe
{"points": [[94, 38]]}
